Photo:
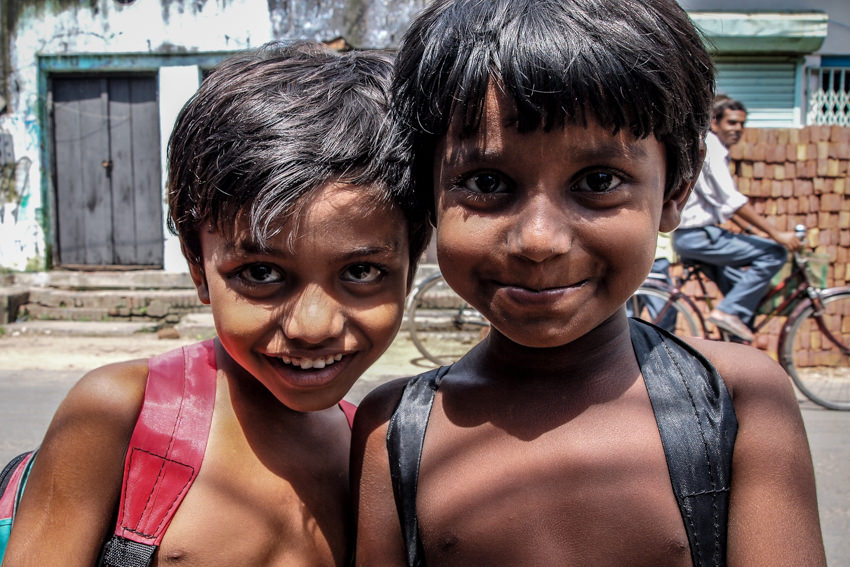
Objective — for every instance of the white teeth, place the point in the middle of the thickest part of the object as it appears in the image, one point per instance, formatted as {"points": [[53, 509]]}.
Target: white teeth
{"points": [[309, 363]]}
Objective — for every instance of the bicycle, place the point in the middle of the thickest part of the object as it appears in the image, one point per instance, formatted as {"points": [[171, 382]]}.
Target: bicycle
{"points": [[442, 326], [814, 340]]}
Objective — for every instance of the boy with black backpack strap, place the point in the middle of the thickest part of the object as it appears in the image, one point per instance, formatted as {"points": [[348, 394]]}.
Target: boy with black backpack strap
{"points": [[282, 187], [553, 140]]}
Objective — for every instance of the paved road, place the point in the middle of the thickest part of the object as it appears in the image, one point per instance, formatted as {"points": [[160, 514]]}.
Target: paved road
{"points": [[36, 373]]}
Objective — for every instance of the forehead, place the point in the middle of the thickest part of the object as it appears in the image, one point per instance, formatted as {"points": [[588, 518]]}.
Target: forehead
{"points": [[734, 116], [333, 211], [499, 127]]}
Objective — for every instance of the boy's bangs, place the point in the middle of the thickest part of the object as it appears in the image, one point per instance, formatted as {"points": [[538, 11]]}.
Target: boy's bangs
{"points": [[551, 70], [633, 65]]}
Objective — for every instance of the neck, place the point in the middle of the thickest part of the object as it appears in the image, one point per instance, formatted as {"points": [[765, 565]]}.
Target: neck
{"points": [[596, 352]]}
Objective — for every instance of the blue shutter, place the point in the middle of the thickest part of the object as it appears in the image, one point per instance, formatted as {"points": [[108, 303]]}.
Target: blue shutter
{"points": [[767, 88]]}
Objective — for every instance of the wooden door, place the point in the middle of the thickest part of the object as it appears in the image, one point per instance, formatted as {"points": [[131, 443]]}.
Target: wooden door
{"points": [[106, 171]]}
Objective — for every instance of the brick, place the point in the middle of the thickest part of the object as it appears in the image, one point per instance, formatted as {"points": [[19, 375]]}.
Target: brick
{"points": [[745, 169], [810, 169], [839, 134], [823, 150], [787, 189], [790, 170], [803, 187], [794, 136], [819, 185], [759, 169], [830, 202], [844, 220], [833, 168], [760, 152], [839, 186], [739, 151], [844, 238]]}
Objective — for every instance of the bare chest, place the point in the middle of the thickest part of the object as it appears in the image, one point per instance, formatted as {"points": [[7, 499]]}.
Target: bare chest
{"points": [[259, 520], [592, 491]]}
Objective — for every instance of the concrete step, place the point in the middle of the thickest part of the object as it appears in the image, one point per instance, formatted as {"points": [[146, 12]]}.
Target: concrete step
{"points": [[151, 296], [166, 306], [103, 279]]}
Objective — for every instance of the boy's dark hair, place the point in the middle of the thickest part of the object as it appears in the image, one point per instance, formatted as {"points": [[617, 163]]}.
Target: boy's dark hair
{"points": [[269, 126], [723, 103], [635, 65]]}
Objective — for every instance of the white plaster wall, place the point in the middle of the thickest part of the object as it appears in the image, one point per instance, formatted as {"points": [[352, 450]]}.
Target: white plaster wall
{"points": [[176, 85], [142, 27], [161, 27]]}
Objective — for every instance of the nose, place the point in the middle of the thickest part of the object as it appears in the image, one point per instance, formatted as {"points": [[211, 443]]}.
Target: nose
{"points": [[314, 316], [541, 230]]}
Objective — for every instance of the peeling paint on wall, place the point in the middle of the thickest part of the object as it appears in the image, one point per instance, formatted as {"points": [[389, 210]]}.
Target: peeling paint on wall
{"points": [[21, 237], [84, 33]]}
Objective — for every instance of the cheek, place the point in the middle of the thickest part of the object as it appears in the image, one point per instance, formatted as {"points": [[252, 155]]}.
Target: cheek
{"points": [[381, 323]]}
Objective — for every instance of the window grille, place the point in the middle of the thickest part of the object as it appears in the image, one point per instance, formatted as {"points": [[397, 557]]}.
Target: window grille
{"points": [[829, 97]]}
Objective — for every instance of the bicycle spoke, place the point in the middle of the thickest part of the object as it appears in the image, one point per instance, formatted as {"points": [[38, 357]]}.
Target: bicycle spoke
{"points": [[816, 353]]}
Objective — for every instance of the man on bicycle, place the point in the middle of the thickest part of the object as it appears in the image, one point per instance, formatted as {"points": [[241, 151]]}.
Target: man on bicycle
{"points": [[743, 265]]}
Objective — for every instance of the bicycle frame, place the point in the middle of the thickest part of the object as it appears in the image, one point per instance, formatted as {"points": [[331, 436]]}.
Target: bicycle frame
{"points": [[816, 297], [793, 301]]}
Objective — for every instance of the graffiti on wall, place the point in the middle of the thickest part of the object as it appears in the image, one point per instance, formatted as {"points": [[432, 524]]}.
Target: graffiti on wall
{"points": [[20, 233]]}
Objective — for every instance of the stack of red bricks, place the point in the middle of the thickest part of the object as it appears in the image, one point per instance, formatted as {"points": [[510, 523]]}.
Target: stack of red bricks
{"points": [[799, 176]]}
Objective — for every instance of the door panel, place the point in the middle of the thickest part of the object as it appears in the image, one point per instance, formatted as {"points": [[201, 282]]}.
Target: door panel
{"points": [[107, 174]]}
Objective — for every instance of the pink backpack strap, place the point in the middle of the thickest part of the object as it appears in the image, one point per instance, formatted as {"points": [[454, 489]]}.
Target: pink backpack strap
{"points": [[11, 484], [166, 450], [348, 409]]}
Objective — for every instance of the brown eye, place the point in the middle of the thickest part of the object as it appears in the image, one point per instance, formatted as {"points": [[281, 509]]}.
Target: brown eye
{"points": [[363, 273], [486, 183], [598, 182], [262, 274]]}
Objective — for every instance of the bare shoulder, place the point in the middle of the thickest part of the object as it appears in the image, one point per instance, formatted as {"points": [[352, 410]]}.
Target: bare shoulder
{"points": [[378, 405], [77, 473], [750, 375], [378, 530], [117, 390], [773, 515]]}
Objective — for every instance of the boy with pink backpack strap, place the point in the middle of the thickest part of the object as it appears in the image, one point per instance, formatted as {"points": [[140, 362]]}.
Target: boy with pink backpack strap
{"points": [[282, 189]]}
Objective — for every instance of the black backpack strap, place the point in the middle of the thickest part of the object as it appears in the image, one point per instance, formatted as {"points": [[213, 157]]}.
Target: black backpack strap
{"points": [[405, 437], [698, 426]]}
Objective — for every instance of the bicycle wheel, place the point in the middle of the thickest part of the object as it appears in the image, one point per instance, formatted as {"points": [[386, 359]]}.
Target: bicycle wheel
{"points": [[658, 306], [815, 350], [442, 326]]}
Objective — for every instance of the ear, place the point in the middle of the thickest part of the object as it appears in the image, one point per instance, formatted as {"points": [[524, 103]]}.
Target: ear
{"points": [[671, 211], [200, 280], [715, 124]]}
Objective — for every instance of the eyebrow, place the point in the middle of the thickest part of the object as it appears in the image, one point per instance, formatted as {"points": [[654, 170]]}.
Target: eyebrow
{"points": [[253, 247], [468, 149]]}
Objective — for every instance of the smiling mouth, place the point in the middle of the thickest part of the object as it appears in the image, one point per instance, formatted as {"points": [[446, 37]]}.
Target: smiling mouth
{"points": [[545, 289], [311, 363]]}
